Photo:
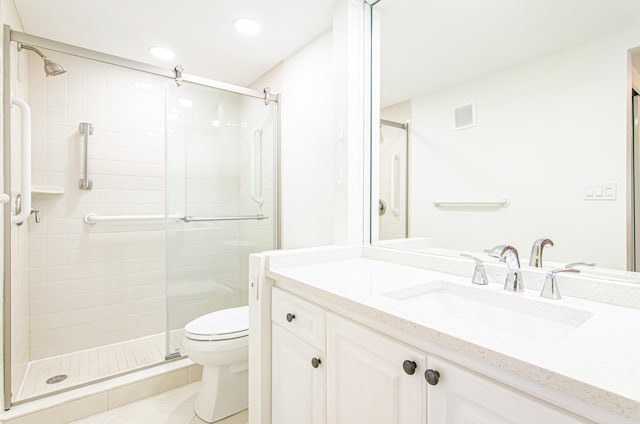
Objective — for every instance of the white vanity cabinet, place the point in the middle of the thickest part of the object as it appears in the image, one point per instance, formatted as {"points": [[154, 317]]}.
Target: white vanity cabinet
{"points": [[364, 376], [298, 361], [371, 378]]}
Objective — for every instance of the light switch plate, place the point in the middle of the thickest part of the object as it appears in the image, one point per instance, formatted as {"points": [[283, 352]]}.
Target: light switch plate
{"points": [[600, 191]]}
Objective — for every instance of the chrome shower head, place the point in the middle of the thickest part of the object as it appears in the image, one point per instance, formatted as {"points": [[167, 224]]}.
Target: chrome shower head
{"points": [[53, 68], [50, 67]]}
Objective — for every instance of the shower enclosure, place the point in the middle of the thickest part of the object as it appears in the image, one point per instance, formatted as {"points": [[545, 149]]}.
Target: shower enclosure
{"points": [[151, 187]]}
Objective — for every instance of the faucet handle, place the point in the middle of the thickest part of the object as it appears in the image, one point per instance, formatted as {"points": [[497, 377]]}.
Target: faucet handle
{"points": [[577, 264], [479, 274], [551, 289], [496, 252]]}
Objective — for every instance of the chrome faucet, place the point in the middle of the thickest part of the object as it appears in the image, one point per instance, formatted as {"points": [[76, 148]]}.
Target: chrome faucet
{"points": [[536, 252], [479, 274], [513, 281], [36, 212], [551, 289]]}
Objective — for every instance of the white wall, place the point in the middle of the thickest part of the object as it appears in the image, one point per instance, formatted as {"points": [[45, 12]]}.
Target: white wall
{"points": [[307, 161], [349, 104], [544, 130], [322, 134]]}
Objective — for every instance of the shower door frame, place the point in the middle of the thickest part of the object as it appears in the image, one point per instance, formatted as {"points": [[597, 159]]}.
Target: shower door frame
{"points": [[10, 35]]}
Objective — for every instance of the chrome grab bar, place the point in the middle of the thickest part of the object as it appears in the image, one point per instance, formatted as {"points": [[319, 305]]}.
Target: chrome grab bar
{"points": [[92, 218], [504, 202], [86, 129], [258, 217]]}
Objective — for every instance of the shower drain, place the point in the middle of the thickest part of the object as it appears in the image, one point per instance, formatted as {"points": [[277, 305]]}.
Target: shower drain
{"points": [[56, 379]]}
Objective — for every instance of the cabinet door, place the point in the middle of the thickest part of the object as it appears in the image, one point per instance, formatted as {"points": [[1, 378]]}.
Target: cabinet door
{"points": [[461, 396], [298, 388], [366, 381]]}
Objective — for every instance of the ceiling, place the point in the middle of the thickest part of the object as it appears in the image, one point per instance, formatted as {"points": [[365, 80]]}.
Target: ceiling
{"points": [[427, 45], [200, 32]]}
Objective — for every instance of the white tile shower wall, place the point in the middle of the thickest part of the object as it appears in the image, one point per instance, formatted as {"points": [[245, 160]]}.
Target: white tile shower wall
{"points": [[19, 234], [100, 284]]}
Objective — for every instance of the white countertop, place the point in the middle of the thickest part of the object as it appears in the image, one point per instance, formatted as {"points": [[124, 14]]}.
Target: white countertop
{"points": [[598, 362]]}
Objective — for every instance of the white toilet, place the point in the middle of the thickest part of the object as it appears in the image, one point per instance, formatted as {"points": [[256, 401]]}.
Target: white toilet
{"points": [[219, 341]]}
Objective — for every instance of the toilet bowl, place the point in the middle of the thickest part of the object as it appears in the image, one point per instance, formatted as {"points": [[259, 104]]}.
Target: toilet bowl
{"points": [[219, 341]]}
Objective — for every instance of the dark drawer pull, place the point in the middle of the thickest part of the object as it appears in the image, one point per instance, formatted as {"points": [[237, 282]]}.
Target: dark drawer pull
{"points": [[409, 367], [432, 376], [290, 317]]}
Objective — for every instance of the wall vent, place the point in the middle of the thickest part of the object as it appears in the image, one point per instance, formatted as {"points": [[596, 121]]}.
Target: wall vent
{"points": [[464, 116]]}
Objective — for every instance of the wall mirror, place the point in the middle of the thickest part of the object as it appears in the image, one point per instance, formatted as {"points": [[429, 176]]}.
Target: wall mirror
{"points": [[507, 121]]}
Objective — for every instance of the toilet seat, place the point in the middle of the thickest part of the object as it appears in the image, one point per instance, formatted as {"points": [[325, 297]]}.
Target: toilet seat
{"points": [[225, 324]]}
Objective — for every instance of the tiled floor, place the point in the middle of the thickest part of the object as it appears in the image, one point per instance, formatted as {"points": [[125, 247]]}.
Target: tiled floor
{"points": [[92, 364], [172, 407]]}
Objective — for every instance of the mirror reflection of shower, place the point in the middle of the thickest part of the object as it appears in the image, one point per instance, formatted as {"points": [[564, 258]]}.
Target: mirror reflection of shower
{"points": [[51, 68], [393, 190]]}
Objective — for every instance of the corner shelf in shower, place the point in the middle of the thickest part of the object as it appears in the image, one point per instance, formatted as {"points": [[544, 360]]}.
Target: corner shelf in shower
{"points": [[47, 189]]}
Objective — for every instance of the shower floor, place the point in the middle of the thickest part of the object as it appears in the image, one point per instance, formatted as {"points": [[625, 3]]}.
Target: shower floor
{"points": [[87, 365]]}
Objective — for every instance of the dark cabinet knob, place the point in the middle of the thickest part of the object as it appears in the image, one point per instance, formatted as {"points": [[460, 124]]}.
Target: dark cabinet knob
{"points": [[409, 367], [315, 362], [290, 317], [432, 377]]}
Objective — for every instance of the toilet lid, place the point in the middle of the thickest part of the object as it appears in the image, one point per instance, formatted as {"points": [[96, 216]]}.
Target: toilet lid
{"points": [[220, 325]]}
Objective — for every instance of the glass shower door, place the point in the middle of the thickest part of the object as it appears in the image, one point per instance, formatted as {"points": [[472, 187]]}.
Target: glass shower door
{"points": [[221, 202]]}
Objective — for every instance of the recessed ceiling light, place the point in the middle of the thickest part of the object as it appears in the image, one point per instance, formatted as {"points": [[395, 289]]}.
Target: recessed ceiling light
{"points": [[162, 53], [246, 26]]}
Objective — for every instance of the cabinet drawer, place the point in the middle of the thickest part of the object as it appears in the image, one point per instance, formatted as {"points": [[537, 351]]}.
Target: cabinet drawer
{"points": [[298, 316]]}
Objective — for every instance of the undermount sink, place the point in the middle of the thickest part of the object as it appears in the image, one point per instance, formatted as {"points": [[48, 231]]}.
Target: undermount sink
{"points": [[509, 313]]}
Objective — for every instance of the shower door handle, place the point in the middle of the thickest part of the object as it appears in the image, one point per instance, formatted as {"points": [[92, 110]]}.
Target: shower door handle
{"points": [[256, 167]]}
